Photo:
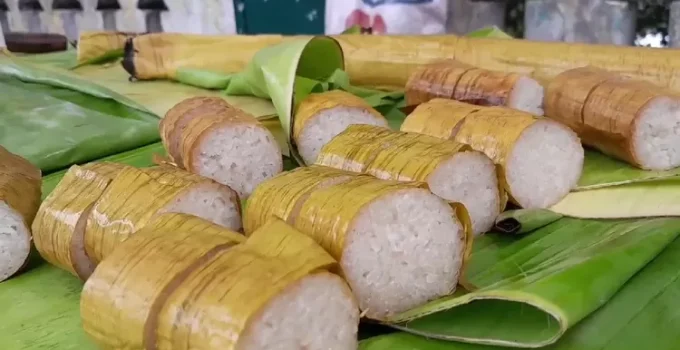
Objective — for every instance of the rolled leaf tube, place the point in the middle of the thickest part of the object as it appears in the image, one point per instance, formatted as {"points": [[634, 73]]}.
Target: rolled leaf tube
{"points": [[320, 117], [209, 137], [19, 201], [58, 228], [398, 245], [540, 160], [633, 120], [274, 290], [95, 44], [159, 55], [452, 170], [462, 82], [135, 196]]}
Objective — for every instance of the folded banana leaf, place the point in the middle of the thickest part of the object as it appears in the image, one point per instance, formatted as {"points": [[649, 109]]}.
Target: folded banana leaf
{"points": [[55, 120], [522, 221], [531, 289], [41, 311], [600, 171], [642, 315]]}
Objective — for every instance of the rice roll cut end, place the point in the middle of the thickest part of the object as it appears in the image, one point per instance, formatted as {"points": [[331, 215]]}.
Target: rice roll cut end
{"points": [[456, 80], [632, 120], [453, 171], [320, 117], [398, 245], [20, 192], [540, 160], [209, 137]]}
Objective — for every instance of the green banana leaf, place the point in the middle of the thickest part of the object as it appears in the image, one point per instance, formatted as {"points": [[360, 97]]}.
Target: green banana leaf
{"points": [[489, 32], [600, 171], [41, 311], [55, 120], [524, 220], [643, 315], [640, 199], [533, 288]]}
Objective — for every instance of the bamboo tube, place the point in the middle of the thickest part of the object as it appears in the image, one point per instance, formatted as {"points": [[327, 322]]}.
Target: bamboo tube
{"points": [[462, 82], [380, 231], [209, 137], [135, 196], [400, 56], [320, 117], [95, 44], [282, 272], [452, 170], [159, 55], [633, 120], [540, 160], [58, 229], [19, 200]]}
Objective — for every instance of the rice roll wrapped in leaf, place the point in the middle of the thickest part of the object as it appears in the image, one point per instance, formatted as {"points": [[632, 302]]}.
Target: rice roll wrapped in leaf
{"points": [[458, 81], [209, 137], [134, 197], [398, 244], [540, 160], [320, 117], [19, 200], [272, 291], [453, 171], [633, 120]]}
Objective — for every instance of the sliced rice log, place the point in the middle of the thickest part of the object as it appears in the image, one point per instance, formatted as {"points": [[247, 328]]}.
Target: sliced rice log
{"points": [[292, 301], [633, 120], [541, 160], [320, 117], [19, 200], [58, 228], [135, 196], [452, 170], [455, 80], [399, 245], [209, 137]]}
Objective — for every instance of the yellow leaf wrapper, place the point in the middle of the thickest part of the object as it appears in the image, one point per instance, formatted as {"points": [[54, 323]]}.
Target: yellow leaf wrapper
{"points": [[132, 199], [94, 44], [603, 108], [183, 276], [159, 55], [317, 103], [492, 130], [19, 200], [54, 229], [19, 184], [461, 82]]}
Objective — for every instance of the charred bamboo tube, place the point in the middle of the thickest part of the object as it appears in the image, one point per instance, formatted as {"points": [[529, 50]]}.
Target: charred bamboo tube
{"points": [[453, 171], [209, 137], [274, 289], [398, 245], [465, 83], [633, 120], [19, 200], [320, 117], [540, 160]]}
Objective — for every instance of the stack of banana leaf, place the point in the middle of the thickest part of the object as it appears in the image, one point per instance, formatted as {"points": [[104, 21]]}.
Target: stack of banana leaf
{"points": [[598, 271]]}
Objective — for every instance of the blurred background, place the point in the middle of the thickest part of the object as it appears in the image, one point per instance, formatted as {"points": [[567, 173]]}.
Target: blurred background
{"points": [[621, 22]]}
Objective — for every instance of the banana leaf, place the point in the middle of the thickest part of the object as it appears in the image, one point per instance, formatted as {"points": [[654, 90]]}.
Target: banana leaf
{"points": [[55, 120], [641, 199], [531, 289], [41, 311], [643, 315], [522, 221], [600, 171]]}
